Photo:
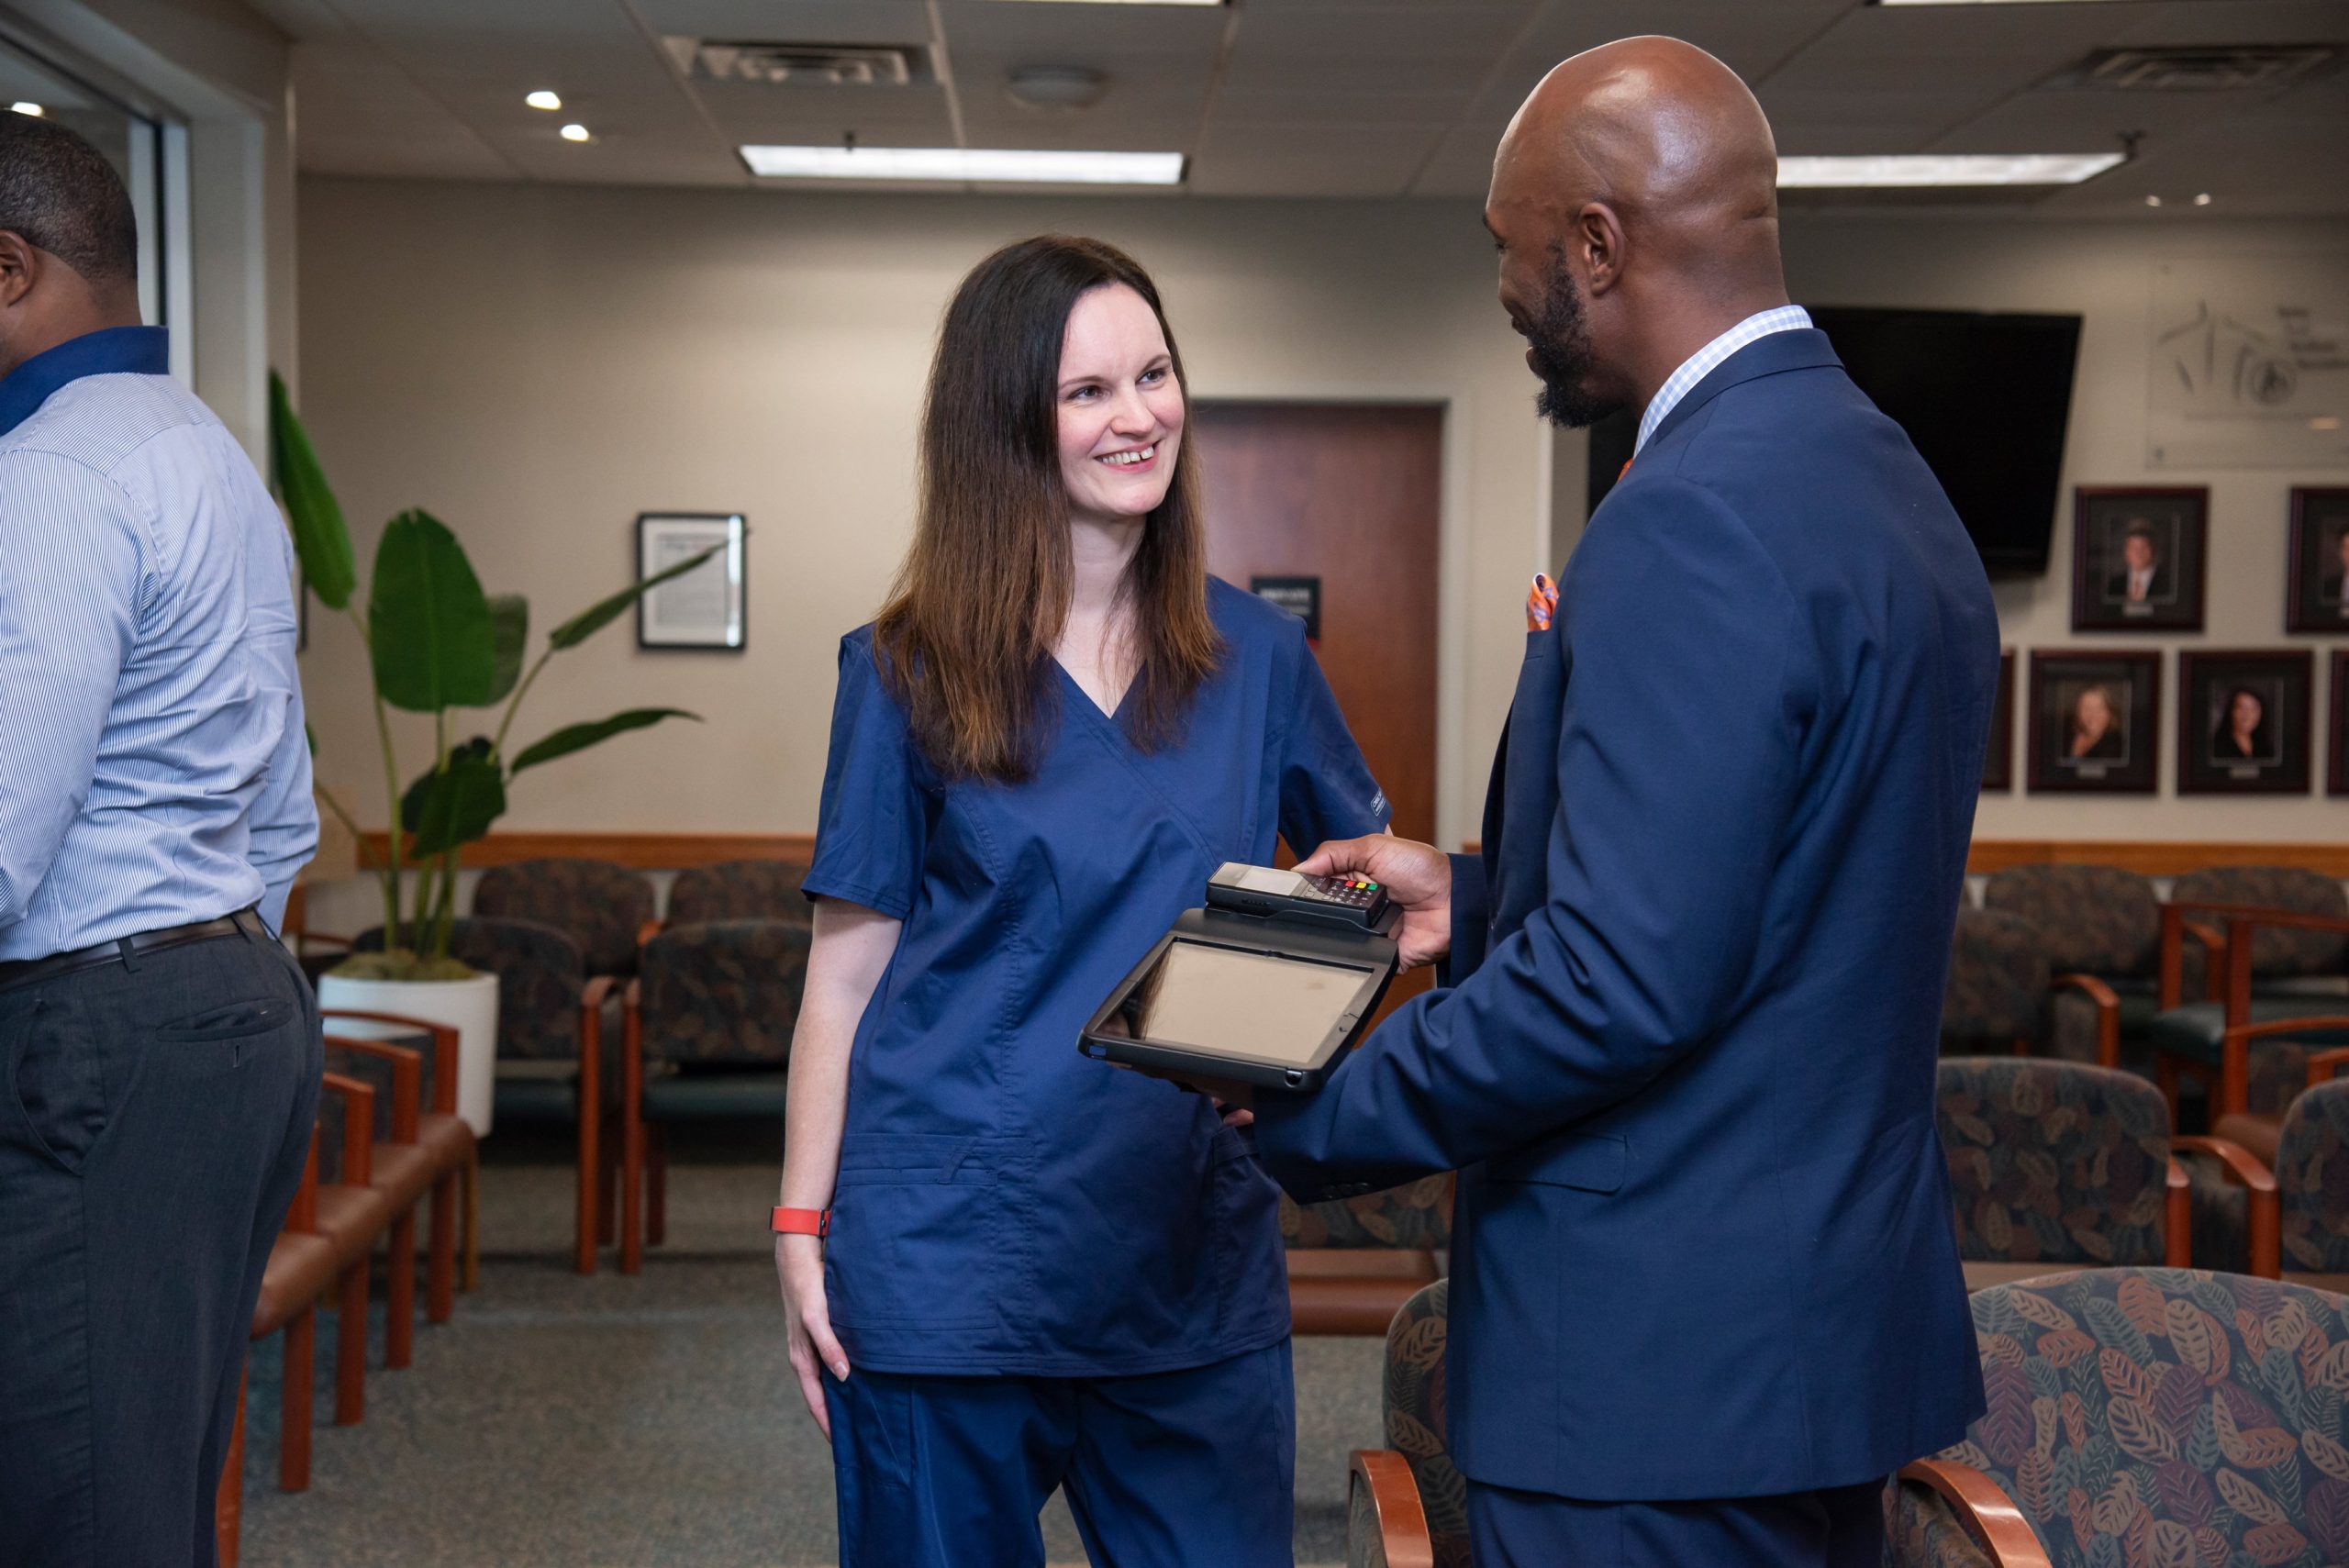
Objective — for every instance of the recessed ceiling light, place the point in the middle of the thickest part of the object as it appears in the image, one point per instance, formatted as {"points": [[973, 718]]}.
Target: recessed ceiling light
{"points": [[543, 99], [2153, 201], [24, 109], [1943, 169], [993, 166], [575, 133], [2203, 199]]}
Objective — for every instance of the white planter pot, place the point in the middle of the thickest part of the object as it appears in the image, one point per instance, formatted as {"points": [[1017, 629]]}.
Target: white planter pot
{"points": [[469, 1004]]}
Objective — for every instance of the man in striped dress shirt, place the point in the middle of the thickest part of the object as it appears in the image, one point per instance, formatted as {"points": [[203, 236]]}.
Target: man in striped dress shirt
{"points": [[158, 1050]]}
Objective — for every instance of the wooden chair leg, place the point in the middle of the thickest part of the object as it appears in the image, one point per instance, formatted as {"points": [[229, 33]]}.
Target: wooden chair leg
{"points": [[350, 1348], [594, 1198], [440, 1265], [399, 1291], [656, 1187], [472, 1222], [228, 1501], [607, 1171], [293, 1406]]}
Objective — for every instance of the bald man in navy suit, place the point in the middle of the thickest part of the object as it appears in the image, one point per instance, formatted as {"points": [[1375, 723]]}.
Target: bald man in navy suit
{"points": [[1706, 1293]]}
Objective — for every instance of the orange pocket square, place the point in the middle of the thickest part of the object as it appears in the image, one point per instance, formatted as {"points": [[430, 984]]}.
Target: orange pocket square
{"points": [[1540, 603]]}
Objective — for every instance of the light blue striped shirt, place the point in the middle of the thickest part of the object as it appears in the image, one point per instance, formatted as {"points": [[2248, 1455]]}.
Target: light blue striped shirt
{"points": [[153, 770], [1707, 359]]}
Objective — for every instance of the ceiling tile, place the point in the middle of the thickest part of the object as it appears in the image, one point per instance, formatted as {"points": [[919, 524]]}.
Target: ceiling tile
{"points": [[1236, 160]]}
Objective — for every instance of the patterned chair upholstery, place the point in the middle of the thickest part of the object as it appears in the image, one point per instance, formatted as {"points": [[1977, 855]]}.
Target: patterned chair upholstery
{"points": [[708, 1022], [1353, 1262], [2099, 921], [600, 905], [1430, 1513], [2311, 1193], [2053, 1165], [1998, 977], [2153, 1416]]}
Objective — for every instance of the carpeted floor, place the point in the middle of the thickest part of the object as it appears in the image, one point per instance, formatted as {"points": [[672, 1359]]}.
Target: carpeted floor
{"points": [[632, 1423]]}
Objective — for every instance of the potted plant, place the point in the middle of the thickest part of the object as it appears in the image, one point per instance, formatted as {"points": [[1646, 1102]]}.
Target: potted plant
{"points": [[436, 643]]}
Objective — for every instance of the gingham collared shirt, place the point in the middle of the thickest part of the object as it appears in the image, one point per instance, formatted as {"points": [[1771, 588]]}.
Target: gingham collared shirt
{"points": [[1705, 361]]}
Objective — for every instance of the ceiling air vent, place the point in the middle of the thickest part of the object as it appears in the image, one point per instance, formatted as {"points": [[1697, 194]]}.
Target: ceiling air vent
{"points": [[800, 65], [2210, 68]]}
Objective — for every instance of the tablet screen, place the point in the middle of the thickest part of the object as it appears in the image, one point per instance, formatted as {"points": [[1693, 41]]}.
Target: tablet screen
{"points": [[1242, 1004]]}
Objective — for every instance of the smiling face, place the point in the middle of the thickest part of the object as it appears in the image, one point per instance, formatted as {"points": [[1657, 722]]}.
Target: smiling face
{"points": [[2092, 712], [1120, 408], [2243, 712]]}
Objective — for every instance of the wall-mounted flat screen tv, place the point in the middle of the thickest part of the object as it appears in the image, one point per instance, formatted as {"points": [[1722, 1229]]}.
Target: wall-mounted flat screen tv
{"points": [[1987, 397]]}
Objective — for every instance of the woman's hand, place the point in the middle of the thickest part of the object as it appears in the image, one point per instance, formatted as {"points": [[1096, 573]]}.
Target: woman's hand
{"points": [[799, 1264]]}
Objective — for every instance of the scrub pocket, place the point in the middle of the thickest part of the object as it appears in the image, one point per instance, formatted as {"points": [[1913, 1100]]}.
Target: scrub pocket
{"points": [[915, 1233], [1251, 1276]]}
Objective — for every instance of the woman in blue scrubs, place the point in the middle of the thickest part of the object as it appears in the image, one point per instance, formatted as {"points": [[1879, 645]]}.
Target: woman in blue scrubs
{"points": [[1009, 1269]]}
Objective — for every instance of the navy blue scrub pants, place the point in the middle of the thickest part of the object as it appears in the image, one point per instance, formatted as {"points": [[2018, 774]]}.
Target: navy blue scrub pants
{"points": [[1192, 1469], [1841, 1526], [155, 1115]]}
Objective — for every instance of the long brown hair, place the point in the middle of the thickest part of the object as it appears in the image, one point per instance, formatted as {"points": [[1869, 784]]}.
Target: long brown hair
{"points": [[967, 637]]}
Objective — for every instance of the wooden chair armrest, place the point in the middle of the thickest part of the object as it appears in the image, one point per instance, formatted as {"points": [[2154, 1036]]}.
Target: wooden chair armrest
{"points": [[444, 1050], [408, 1078], [2108, 1013], [2214, 961], [1987, 1512], [1395, 1502], [302, 1215], [358, 1127], [2235, 1058], [647, 931], [2322, 1065], [2266, 1207], [2177, 1241]]}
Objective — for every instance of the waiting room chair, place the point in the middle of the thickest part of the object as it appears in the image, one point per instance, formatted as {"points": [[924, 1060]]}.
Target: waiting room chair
{"points": [[707, 1022], [1998, 983], [599, 906], [2143, 1415], [2058, 1165], [1352, 1263], [2102, 926], [2296, 1227], [1405, 1505]]}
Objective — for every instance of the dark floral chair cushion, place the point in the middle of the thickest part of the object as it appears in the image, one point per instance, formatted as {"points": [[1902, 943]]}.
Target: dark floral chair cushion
{"points": [[1998, 981], [539, 975], [2053, 1161], [2277, 952], [724, 992], [2096, 919], [2164, 1416], [1413, 1400], [1417, 1215], [602, 906], [2311, 1189], [739, 890]]}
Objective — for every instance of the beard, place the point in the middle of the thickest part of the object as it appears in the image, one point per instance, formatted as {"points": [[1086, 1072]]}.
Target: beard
{"points": [[1563, 355]]}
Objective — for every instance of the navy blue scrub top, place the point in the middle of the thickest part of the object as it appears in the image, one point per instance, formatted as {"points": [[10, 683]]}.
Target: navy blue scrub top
{"points": [[1004, 1204]]}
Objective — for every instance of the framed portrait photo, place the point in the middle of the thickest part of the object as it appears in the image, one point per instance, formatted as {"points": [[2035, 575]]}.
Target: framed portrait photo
{"points": [[2243, 722], [1999, 761], [2316, 598], [2336, 730], [2137, 558], [703, 609], [2095, 721]]}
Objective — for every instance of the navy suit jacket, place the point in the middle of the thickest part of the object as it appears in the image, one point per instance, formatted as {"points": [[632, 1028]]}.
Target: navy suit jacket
{"points": [[1684, 1062]]}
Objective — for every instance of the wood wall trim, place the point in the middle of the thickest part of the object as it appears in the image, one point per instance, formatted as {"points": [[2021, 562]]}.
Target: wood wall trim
{"points": [[673, 851], [642, 851]]}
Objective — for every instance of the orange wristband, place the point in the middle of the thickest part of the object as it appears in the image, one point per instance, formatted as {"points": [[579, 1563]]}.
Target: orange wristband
{"points": [[801, 1222]]}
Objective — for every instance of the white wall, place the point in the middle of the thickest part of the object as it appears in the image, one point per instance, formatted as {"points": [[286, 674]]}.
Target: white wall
{"points": [[538, 365]]}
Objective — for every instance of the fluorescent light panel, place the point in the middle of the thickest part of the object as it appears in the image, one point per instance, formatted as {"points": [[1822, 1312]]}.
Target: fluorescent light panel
{"points": [[1944, 169], [977, 165]]}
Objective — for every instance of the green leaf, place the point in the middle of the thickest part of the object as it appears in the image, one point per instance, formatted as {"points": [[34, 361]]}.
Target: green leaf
{"points": [[603, 612], [321, 542], [578, 737], [509, 619], [454, 805], [429, 624], [311, 736]]}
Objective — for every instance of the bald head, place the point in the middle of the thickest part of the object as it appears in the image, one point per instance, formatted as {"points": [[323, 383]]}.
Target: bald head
{"points": [[1640, 176]]}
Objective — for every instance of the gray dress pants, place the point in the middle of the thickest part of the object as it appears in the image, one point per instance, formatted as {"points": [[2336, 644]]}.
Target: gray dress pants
{"points": [[155, 1113]]}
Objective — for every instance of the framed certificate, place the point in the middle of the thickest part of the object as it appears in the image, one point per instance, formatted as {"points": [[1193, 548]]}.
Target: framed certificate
{"points": [[703, 609]]}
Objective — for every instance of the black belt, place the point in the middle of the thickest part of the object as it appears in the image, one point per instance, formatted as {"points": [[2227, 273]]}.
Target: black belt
{"points": [[25, 971]]}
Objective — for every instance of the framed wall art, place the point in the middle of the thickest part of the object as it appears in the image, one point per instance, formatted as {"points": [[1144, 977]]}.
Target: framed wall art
{"points": [[705, 608], [2137, 558], [2095, 721], [2316, 594], [2243, 722]]}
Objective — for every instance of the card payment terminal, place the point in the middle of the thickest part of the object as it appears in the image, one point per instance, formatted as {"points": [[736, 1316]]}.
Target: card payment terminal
{"points": [[1268, 983]]}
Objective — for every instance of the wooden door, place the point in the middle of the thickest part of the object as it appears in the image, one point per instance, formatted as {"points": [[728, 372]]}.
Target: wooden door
{"points": [[1349, 493]]}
